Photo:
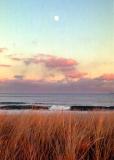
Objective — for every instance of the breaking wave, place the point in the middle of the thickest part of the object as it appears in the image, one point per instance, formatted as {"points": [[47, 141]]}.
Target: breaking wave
{"points": [[59, 107]]}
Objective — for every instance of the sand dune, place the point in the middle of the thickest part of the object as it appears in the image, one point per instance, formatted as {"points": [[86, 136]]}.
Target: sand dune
{"points": [[57, 136]]}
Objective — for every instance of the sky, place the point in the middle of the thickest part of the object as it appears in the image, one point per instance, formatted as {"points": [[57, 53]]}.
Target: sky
{"points": [[57, 46]]}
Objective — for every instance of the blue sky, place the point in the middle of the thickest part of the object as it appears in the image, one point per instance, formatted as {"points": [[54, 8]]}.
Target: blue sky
{"points": [[81, 21]]}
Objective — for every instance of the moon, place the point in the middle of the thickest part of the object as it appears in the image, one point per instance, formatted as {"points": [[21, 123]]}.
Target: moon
{"points": [[56, 18]]}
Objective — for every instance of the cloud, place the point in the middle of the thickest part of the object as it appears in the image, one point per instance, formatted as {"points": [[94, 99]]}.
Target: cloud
{"points": [[2, 49], [67, 66], [16, 59], [51, 61], [107, 77], [5, 65], [83, 85], [57, 62], [75, 74], [29, 61], [53, 74], [19, 77]]}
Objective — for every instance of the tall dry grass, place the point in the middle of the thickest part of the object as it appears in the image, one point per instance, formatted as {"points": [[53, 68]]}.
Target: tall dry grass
{"points": [[57, 136]]}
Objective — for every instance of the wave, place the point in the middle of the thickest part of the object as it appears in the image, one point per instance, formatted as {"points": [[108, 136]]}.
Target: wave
{"points": [[59, 107]]}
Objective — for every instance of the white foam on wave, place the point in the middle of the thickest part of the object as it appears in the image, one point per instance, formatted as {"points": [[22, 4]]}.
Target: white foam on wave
{"points": [[59, 107]]}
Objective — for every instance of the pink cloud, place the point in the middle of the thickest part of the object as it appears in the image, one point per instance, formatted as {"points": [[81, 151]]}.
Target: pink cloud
{"points": [[51, 61], [57, 62], [5, 65], [67, 66], [107, 77], [75, 74]]}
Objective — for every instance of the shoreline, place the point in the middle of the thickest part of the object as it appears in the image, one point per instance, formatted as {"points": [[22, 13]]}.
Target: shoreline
{"points": [[41, 106]]}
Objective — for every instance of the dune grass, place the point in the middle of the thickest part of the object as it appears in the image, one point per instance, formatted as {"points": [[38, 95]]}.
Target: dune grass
{"points": [[57, 136]]}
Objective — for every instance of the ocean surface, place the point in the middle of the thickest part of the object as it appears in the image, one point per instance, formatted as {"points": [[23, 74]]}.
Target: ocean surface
{"points": [[59, 99]]}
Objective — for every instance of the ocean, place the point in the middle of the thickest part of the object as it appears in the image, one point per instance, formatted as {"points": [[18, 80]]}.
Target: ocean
{"points": [[59, 99]]}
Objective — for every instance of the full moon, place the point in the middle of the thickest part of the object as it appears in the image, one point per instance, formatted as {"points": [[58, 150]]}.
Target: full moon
{"points": [[56, 18]]}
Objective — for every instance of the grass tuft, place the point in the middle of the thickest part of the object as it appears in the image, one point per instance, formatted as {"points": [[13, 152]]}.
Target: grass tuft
{"points": [[57, 136]]}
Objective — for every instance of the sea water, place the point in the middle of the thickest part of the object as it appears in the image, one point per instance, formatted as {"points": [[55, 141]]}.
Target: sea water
{"points": [[59, 99]]}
